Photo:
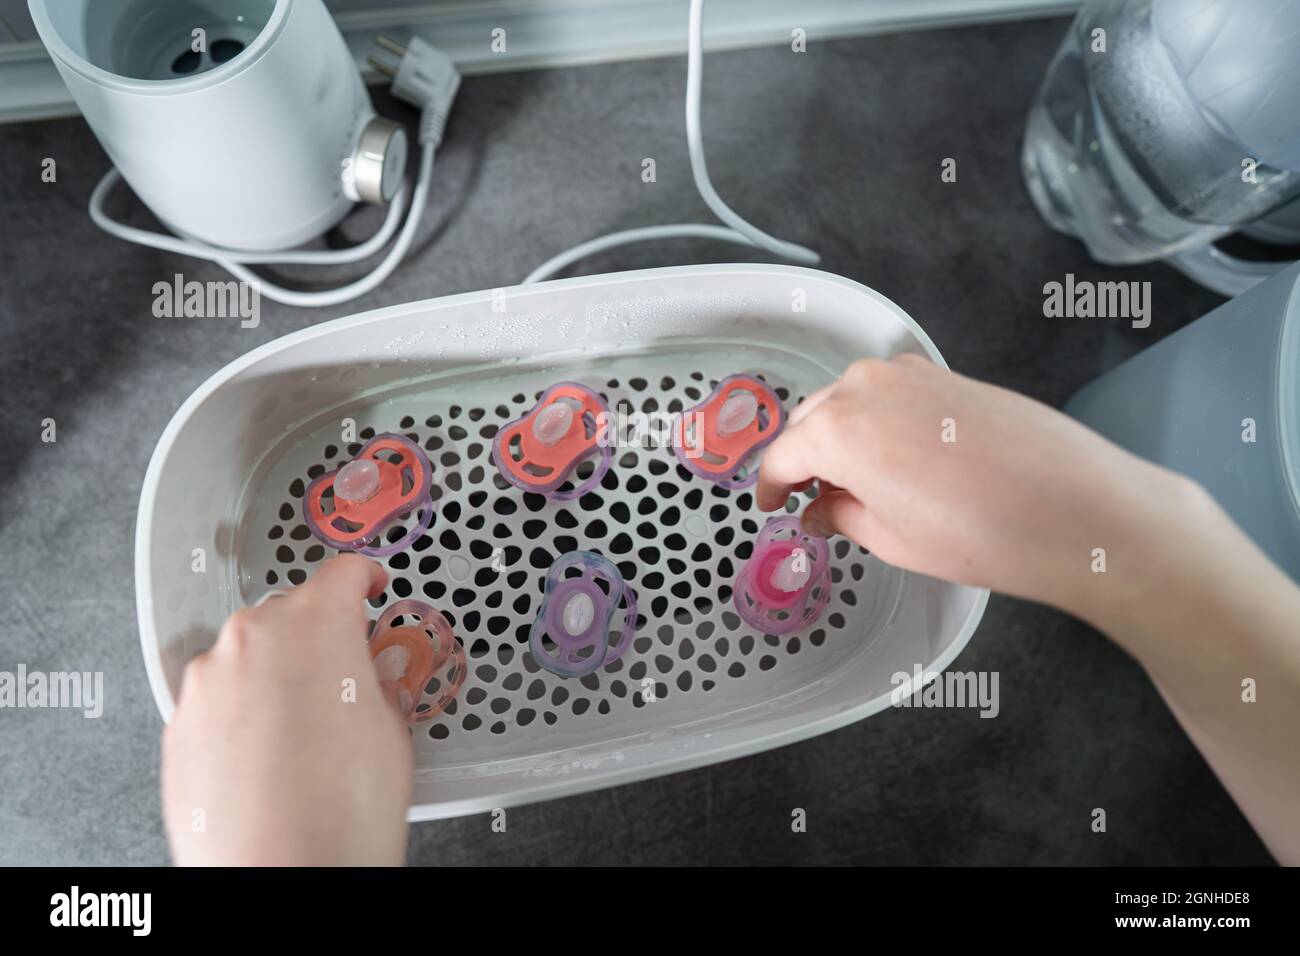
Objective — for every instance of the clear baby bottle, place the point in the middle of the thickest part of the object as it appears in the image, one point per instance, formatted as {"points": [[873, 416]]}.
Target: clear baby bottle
{"points": [[1163, 125]]}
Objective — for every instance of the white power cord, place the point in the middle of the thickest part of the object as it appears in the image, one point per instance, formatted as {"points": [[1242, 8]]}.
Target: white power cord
{"points": [[426, 79], [367, 282], [736, 230], [231, 259]]}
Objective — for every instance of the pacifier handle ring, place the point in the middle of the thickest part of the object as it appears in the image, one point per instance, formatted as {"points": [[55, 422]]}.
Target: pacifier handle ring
{"points": [[404, 607], [423, 519], [450, 687], [628, 600], [429, 616], [592, 481]]}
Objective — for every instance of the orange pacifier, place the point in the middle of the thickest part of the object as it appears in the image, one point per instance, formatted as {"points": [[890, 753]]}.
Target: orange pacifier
{"points": [[419, 661], [352, 508], [720, 438], [546, 447]]}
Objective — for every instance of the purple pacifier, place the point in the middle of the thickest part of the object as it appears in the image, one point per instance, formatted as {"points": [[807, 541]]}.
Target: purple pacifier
{"points": [[786, 582], [583, 593]]}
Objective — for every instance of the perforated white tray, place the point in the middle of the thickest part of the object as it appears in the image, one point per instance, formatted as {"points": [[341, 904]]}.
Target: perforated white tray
{"points": [[697, 686]]}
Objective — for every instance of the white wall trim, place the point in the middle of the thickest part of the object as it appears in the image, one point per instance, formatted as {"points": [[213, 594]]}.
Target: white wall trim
{"points": [[551, 33]]}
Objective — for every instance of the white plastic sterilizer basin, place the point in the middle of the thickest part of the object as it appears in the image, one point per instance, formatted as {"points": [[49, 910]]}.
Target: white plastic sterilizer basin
{"points": [[697, 686]]}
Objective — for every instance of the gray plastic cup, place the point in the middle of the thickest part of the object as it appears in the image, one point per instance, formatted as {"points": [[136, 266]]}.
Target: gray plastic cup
{"points": [[1219, 401]]}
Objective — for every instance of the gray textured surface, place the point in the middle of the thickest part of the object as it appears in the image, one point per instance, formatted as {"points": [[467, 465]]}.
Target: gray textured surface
{"points": [[838, 148]]}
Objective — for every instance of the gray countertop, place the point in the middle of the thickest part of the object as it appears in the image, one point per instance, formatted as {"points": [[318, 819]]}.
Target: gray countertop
{"points": [[838, 148]]}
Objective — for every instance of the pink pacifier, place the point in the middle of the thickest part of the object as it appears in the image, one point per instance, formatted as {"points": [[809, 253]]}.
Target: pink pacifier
{"points": [[419, 652], [541, 450], [577, 618], [721, 437], [786, 582], [352, 507]]}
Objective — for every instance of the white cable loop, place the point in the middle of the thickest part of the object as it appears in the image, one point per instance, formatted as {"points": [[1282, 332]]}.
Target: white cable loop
{"points": [[236, 262], [737, 229]]}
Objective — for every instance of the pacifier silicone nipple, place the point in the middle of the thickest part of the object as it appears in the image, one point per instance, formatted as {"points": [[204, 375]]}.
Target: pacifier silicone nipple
{"points": [[357, 480], [579, 612], [391, 665], [571, 636], [391, 662], [792, 573], [737, 412], [553, 422]]}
